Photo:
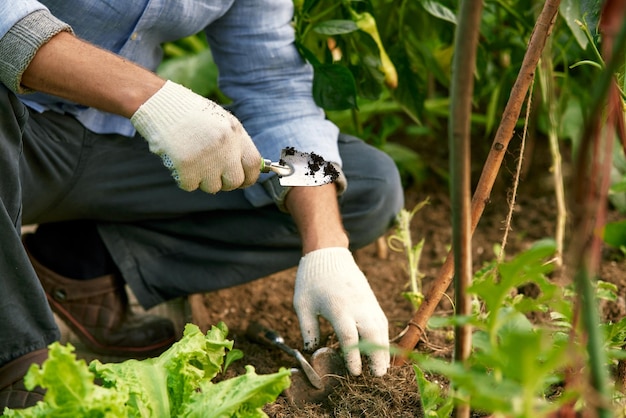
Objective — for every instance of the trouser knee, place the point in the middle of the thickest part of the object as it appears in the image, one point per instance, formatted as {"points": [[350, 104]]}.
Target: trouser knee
{"points": [[13, 117], [371, 202]]}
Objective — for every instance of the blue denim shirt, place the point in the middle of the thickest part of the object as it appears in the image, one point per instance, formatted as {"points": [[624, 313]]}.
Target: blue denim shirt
{"points": [[252, 42]]}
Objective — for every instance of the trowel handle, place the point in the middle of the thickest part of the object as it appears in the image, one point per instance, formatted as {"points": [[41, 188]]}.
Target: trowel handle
{"points": [[281, 170], [264, 335], [265, 165]]}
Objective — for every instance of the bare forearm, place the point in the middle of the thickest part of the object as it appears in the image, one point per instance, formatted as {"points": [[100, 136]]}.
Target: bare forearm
{"points": [[316, 213], [75, 70]]}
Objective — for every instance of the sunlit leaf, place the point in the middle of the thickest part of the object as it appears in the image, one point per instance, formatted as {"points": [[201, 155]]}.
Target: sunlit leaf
{"points": [[335, 27], [570, 11], [438, 10]]}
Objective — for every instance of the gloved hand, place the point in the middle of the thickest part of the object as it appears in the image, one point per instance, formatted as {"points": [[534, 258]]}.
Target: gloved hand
{"points": [[330, 284], [203, 144]]}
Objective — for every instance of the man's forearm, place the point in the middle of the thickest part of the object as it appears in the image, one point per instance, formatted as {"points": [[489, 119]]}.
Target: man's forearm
{"points": [[75, 70], [316, 213]]}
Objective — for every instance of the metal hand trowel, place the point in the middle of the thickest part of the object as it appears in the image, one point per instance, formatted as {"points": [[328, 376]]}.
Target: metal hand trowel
{"points": [[261, 334], [296, 168]]}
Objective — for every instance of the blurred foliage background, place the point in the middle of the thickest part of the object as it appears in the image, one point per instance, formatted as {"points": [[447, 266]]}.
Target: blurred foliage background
{"points": [[382, 71]]}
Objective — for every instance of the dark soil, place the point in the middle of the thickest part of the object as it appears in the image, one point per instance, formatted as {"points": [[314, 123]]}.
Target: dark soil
{"points": [[269, 300]]}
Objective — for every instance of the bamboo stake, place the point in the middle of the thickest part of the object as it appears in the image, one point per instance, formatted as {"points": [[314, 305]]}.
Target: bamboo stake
{"points": [[541, 31], [459, 139]]}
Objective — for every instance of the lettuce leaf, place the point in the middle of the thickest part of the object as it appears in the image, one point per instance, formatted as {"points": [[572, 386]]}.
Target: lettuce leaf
{"points": [[159, 386], [71, 391], [177, 383], [241, 396]]}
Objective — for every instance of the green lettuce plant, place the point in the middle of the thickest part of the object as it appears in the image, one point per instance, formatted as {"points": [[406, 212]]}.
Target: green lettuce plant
{"points": [[178, 383]]}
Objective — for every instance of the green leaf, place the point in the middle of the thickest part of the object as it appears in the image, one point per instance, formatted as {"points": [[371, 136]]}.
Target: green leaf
{"points": [[509, 377], [242, 396], [533, 358], [367, 72], [528, 266], [438, 10], [606, 290], [487, 391], [335, 27], [334, 87], [71, 391], [307, 5], [411, 91], [232, 356], [570, 11], [177, 383], [615, 333], [614, 233], [432, 397], [165, 383], [307, 54], [619, 187], [591, 10]]}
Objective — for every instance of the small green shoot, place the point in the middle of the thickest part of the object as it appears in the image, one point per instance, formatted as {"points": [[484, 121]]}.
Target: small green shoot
{"points": [[401, 241]]}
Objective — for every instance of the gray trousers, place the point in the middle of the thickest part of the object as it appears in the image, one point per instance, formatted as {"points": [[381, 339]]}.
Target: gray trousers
{"points": [[166, 242]]}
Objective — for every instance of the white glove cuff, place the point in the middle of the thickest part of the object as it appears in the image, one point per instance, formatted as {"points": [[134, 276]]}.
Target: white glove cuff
{"points": [[327, 261], [169, 106]]}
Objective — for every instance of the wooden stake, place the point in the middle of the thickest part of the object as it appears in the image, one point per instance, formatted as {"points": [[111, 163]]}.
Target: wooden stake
{"points": [[541, 31]]}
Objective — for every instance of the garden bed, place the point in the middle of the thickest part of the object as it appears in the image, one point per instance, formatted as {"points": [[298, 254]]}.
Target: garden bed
{"points": [[269, 299], [396, 395]]}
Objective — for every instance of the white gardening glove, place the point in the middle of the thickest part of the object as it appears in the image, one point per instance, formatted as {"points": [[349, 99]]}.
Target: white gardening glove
{"points": [[203, 145], [330, 284]]}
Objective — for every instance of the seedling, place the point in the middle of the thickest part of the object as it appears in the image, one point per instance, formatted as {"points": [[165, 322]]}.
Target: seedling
{"points": [[402, 242]]}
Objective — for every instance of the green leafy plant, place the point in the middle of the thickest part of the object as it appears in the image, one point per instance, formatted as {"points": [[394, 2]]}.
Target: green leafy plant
{"points": [[342, 43], [517, 365], [513, 362], [178, 383]]}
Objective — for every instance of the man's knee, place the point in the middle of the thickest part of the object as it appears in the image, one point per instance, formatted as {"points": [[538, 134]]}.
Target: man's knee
{"points": [[373, 199]]}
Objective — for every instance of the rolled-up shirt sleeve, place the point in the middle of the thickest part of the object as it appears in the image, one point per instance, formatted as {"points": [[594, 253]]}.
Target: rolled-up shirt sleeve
{"points": [[270, 84], [24, 27]]}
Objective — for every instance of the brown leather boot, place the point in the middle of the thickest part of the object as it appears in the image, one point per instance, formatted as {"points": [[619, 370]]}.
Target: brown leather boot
{"points": [[13, 394], [97, 311]]}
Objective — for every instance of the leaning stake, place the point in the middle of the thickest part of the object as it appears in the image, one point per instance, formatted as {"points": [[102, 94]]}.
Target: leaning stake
{"points": [[541, 31]]}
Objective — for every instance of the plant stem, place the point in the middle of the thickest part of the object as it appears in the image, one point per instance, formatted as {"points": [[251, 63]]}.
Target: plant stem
{"points": [[546, 77], [459, 138], [542, 30]]}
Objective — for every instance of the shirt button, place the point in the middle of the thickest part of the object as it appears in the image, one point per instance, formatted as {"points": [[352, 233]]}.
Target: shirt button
{"points": [[134, 36]]}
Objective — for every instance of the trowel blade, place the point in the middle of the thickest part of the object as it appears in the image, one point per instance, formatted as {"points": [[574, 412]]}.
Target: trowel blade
{"points": [[308, 169]]}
